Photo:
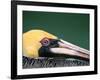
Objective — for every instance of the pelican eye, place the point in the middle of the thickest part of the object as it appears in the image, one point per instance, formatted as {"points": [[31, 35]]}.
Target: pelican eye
{"points": [[45, 42]]}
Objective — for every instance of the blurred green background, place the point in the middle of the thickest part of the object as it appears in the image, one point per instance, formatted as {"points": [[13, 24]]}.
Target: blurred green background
{"points": [[72, 27]]}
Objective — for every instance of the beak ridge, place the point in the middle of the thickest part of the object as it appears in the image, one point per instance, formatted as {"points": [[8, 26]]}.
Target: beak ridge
{"points": [[70, 49]]}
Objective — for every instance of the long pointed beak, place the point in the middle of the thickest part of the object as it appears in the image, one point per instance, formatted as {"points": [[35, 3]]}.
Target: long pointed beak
{"points": [[70, 49]]}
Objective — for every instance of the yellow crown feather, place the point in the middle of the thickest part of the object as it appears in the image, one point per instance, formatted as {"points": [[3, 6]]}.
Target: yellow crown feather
{"points": [[31, 42]]}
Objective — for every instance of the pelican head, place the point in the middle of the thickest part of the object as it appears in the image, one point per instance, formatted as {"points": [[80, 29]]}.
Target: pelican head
{"points": [[39, 43]]}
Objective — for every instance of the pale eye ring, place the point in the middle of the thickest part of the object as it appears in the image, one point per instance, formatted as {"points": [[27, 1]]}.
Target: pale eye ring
{"points": [[45, 42]]}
